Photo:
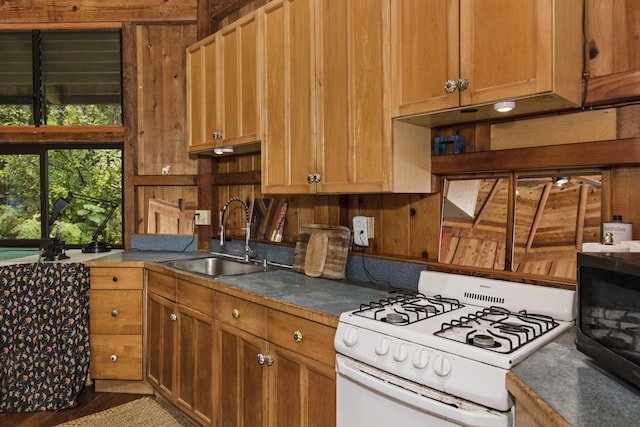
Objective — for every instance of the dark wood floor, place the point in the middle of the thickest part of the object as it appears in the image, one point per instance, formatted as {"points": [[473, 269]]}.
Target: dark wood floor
{"points": [[89, 402]]}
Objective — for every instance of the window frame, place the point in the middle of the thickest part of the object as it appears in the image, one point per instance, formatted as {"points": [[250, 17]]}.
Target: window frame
{"points": [[41, 149], [102, 26]]}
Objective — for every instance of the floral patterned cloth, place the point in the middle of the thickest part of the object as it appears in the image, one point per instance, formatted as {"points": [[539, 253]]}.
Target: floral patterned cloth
{"points": [[44, 335]]}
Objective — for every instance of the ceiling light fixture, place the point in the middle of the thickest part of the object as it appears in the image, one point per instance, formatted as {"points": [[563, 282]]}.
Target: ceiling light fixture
{"points": [[561, 180], [504, 106]]}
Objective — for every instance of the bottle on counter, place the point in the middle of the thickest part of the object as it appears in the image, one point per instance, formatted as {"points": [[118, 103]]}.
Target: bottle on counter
{"points": [[620, 231]]}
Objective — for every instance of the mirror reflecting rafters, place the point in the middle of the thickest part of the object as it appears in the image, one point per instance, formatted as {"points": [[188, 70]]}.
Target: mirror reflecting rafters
{"points": [[555, 213], [554, 216], [474, 222]]}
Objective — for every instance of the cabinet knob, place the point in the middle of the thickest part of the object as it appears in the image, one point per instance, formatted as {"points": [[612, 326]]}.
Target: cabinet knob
{"points": [[265, 359], [297, 336], [310, 178], [114, 357], [114, 278], [450, 86], [114, 312], [173, 317], [217, 135], [235, 313], [461, 85]]}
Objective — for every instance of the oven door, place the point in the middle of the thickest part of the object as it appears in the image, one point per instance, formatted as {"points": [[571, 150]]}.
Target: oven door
{"points": [[367, 396]]}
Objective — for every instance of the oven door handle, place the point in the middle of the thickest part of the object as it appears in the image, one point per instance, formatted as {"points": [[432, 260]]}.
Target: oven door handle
{"points": [[378, 381]]}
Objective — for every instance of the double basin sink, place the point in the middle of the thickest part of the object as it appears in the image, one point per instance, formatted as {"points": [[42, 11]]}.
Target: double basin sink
{"points": [[217, 266]]}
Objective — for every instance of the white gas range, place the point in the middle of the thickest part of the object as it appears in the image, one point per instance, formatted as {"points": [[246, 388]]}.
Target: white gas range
{"points": [[441, 356]]}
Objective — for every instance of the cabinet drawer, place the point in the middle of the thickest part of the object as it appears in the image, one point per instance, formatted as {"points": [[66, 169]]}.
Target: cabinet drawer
{"points": [[312, 339], [162, 284], [242, 314], [116, 278], [116, 357], [196, 297], [115, 312]]}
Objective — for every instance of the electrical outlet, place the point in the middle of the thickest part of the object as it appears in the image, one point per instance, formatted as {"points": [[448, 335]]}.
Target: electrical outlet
{"points": [[360, 235], [203, 217]]}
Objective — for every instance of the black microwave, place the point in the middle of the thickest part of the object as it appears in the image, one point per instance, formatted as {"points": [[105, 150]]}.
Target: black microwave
{"points": [[608, 320]]}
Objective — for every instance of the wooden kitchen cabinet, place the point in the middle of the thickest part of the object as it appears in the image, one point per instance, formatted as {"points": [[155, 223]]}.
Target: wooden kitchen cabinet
{"points": [[205, 128], [287, 96], [326, 126], [116, 313], [275, 369], [529, 51], [181, 345], [221, 88], [302, 383], [238, 82]]}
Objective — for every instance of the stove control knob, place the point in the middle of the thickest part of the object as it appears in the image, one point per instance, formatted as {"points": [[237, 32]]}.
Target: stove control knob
{"points": [[420, 359], [401, 353], [382, 346], [350, 337], [441, 366]]}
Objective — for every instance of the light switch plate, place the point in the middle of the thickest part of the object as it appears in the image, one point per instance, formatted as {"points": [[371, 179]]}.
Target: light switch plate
{"points": [[203, 217]]}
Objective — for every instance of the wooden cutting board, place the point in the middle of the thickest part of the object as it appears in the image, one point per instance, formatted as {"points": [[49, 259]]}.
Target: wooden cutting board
{"points": [[322, 251]]}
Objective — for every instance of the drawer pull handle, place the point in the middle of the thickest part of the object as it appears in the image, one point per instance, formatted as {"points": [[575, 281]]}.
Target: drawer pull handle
{"points": [[173, 317], [114, 278], [297, 336], [114, 357], [114, 312], [265, 359], [235, 313]]}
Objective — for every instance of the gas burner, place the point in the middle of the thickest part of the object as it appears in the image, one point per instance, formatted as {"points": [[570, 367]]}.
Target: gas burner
{"points": [[485, 341], [395, 318]]}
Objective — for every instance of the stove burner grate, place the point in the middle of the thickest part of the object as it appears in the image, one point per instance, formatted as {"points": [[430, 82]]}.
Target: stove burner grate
{"points": [[497, 329], [408, 308]]}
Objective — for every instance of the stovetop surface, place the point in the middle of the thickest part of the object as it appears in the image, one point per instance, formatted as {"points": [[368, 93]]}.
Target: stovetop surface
{"points": [[495, 322]]}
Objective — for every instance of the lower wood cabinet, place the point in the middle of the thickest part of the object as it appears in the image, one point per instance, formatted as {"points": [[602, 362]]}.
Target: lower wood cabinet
{"points": [[226, 361], [181, 350], [116, 329]]}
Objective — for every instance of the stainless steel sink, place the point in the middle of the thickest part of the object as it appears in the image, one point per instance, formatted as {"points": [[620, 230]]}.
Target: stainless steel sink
{"points": [[217, 266]]}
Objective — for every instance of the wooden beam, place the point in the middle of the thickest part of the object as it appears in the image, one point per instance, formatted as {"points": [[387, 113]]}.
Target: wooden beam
{"points": [[581, 214], [538, 216], [62, 134], [589, 154], [164, 180]]}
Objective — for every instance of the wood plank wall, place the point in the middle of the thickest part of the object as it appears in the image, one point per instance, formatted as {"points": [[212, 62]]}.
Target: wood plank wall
{"points": [[408, 225]]}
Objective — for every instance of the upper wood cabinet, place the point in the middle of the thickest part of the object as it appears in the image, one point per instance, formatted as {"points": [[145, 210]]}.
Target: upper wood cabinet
{"points": [[203, 118], [238, 90], [287, 96], [326, 125], [221, 88], [449, 55]]}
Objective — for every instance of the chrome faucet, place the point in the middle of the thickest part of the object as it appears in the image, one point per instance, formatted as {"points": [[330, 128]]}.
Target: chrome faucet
{"points": [[247, 229]]}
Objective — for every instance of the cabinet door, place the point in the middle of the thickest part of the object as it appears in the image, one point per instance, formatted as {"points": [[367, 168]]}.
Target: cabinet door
{"points": [[354, 126], [202, 95], [424, 46], [239, 96], [242, 381], [161, 336], [194, 360], [505, 49], [302, 392], [286, 92]]}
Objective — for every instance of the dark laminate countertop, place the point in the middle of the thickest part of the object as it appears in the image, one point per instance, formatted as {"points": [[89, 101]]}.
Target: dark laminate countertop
{"points": [[330, 297], [578, 390]]}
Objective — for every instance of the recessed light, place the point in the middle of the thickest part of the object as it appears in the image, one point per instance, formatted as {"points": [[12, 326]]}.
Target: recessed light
{"points": [[504, 106]]}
